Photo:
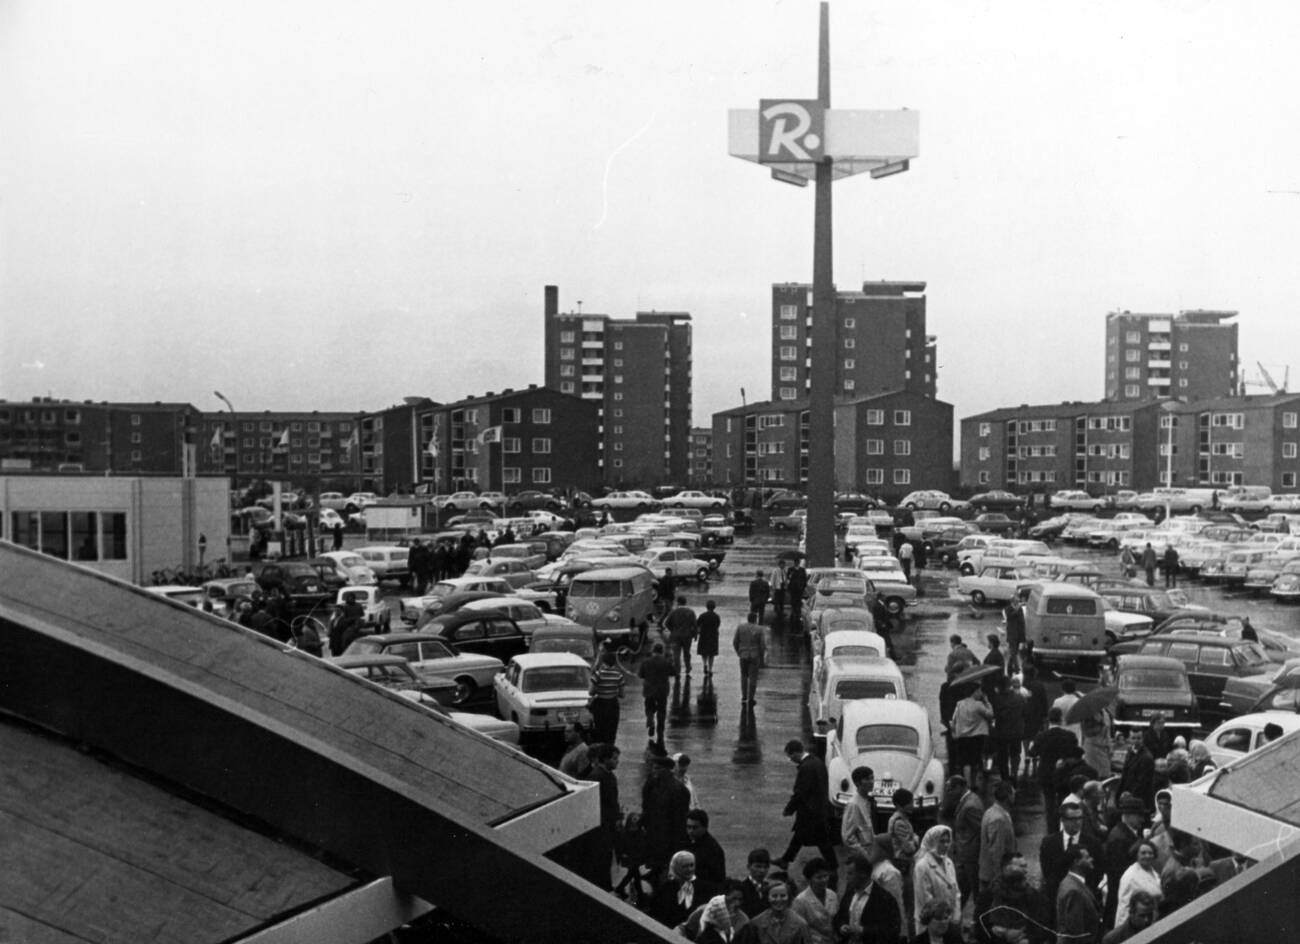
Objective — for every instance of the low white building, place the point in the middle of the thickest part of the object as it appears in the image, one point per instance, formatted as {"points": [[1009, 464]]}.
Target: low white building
{"points": [[123, 526]]}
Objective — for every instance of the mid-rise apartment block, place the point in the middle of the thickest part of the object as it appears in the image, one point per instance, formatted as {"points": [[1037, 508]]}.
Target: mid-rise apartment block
{"points": [[638, 373], [1105, 446], [701, 474], [1189, 356], [305, 447], [880, 341], [50, 435], [886, 444]]}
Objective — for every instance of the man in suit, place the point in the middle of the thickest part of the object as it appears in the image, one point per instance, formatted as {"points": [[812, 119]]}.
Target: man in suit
{"points": [[997, 834], [753, 890], [1078, 920], [1055, 847], [1117, 853], [867, 910], [710, 859], [809, 805], [1054, 744], [967, 819]]}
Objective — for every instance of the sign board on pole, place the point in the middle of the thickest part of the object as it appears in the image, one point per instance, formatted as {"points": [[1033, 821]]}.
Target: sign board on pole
{"points": [[791, 131]]}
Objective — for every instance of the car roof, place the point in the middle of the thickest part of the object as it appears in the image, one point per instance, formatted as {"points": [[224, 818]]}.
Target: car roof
{"points": [[1056, 588], [1144, 661], [367, 658], [612, 573], [533, 660], [885, 711]]}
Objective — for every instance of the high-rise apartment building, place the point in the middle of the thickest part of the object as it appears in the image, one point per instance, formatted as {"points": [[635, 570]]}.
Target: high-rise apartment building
{"points": [[880, 341], [1189, 356], [639, 372]]}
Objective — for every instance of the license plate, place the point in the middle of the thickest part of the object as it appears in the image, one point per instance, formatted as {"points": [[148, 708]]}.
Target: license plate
{"points": [[568, 716], [1071, 639], [884, 788]]}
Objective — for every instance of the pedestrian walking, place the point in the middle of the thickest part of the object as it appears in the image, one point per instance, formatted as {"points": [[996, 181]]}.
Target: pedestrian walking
{"points": [[970, 728], [665, 592], [779, 590], [706, 642], [1149, 564], [997, 834], [682, 628], [665, 803], [809, 805], [1171, 566], [760, 592], [1051, 746], [858, 824], [606, 698], [1014, 615], [1128, 562], [656, 673], [905, 556], [967, 822], [750, 644], [796, 586], [604, 761], [934, 877]]}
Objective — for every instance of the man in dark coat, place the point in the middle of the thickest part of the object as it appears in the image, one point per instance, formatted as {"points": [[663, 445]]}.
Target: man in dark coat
{"points": [[1138, 775], [1054, 848], [1077, 918], [867, 910], [796, 587], [1117, 851], [665, 802], [760, 591], [809, 805], [710, 860], [656, 674]]}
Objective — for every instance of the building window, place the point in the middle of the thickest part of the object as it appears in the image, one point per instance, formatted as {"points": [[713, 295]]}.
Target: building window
{"points": [[986, 429], [1132, 356], [1288, 480], [1132, 373], [789, 374], [984, 453], [618, 362], [1288, 450], [566, 353], [875, 476], [902, 417], [1133, 337], [511, 414], [510, 444], [875, 447], [849, 383], [789, 312], [875, 417], [618, 345], [541, 416], [789, 393], [568, 337], [618, 396], [850, 323], [510, 475], [135, 419], [789, 332], [984, 477], [902, 447], [567, 370], [136, 438], [849, 344], [1182, 381], [566, 386], [136, 455], [848, 363], [789, 353], [902, 476], [542, 445], [1288, 420], [1183, 347], [542, 475], [1131, 390]]}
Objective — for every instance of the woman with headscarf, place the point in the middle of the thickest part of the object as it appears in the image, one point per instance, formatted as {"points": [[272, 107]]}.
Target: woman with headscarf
{"points": [[934, 877], [1140, 876], [734, 896], [715, 922], [1198, 758], [674, 899]]}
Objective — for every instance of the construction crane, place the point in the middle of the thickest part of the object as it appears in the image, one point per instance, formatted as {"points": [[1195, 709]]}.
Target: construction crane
{"points": [[1266, 380]]}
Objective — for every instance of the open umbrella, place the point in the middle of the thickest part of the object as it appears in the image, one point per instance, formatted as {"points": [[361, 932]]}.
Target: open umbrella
{"points": [[976, 674], [1091, 704], [790, 556]]}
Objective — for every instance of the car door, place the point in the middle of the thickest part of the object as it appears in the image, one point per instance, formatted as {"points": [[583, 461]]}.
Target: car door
{"points": [[505, 638], [506, 686], [1215, 664]]}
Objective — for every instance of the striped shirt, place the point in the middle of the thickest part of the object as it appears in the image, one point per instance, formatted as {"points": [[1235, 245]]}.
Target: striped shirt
{"points": [[607, 682]]}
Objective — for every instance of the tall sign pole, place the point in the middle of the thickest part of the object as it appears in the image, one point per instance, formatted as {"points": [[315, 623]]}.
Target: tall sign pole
{"points": [[820, 537], [802, 140]]}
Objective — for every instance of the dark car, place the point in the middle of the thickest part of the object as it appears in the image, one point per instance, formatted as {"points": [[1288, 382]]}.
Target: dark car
{"points": [[478, 518], [1241, 695], [1210, 661], [994, 522], [1154, 685], [1156, 602], [943, 546], [855, 502], [484, 633], [997, 501], [1277, 647], [1049, 529], [299, 581], [533, 500]]}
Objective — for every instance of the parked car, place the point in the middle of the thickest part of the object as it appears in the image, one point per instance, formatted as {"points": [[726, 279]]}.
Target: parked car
{"points": [[627, 501], [561, 634], [1078, 500], [717, 529], [530, 552], [995, 522], [997, 500], [856, 502], [784, 502], [695, 499], [887, 579], [1238, 736], [462, 501], [513, 571], [1242, 693], [300, 581], [332, 501], [388, 562], [486, 633], [893, 738], [932, 499], [1286, 586], [1151, 686], [534, 500], [996, 583], [351, 567], [685, 565], [544, 692], [358, 501], [527, 615], [376, 616], [223, 596], [1155, 602], [842, 678], [421, 609], [1277, 647], [327, 519], [1210, 661], [190, 596], [434, 661]]}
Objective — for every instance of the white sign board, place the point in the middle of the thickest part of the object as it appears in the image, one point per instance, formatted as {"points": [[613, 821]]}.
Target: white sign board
{"points": [[856, 140]]}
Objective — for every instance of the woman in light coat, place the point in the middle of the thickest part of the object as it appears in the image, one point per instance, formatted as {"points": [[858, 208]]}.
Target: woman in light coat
{"points": [[1140, 876], [934, 876]]}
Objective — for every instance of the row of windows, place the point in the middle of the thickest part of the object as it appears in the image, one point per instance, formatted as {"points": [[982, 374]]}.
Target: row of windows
{"points": [[513, 475], [877, 476], [876, 447], [71, 535], [313, 426], [1121, 423], [47, 417], [1228, 420], [1110, 450]]}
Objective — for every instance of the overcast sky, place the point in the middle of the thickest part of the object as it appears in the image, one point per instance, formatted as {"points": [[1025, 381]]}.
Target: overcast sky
{"points": [[332, 206]]}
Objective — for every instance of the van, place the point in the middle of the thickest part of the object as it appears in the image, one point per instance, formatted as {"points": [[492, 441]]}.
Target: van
{"points": [[611, 599], [1066, 622]]}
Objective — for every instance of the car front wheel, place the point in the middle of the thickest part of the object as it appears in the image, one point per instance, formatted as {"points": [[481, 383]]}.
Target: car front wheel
{"points": [[895, 605], [463, 691], [977, 597]]}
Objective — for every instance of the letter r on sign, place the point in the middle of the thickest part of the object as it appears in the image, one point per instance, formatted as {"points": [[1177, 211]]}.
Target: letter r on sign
{"points": [[791, 131]]}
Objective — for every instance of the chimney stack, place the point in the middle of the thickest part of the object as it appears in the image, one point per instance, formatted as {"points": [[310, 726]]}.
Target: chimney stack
{"points": [[552, 307]]}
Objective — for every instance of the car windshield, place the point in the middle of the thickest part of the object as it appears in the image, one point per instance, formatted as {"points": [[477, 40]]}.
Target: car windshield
{"points": [[555, 678], [1153, 678], [1072, 606], [1171, 598], [848, 689], [888, 737]]}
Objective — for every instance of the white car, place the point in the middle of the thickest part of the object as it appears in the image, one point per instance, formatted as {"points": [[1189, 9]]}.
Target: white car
{"points": [[622, 501], [544, 691], [684, 564], [376, 613], [332, 501], [434, 661], [352, 568], [427, 606], [893, 738], [932, 499], [388, 561], [690, 499], [996, 583], [461, 501], [886, 575], [1239, 736], [327, 519], [1077, 500], [840, 679], [358, 501]]}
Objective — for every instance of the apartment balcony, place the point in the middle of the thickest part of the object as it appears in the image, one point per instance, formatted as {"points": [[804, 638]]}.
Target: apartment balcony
{"points": [[1159, 365], [1155, 345], [1158, 381]]}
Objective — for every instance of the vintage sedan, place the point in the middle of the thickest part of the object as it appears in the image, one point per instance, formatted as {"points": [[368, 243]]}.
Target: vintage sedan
{"points": [[997, 500], [684, 564], [887, 579], [351, 567], [1151, 686], [932, 499], [544, 692], [1242, 693], [717, 529], [1239, 736], [1286, 586], [996, 583], [1077, 500], [995, 522], [388, 561], [626, 501], [839, 679], [461, 501], [527, 614], [786, 501], [222, 596], [485, 633], [513, 571], [376, 616], [421, 609], [533, 500], [435, 662], [792, 520], [695, 499], [856, 502], [893, 738]]}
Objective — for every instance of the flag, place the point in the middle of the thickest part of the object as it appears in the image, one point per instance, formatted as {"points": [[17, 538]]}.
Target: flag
{"points": [[351, 443], [216, 439], [284, 439], [490, 435], [432, 448]]}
